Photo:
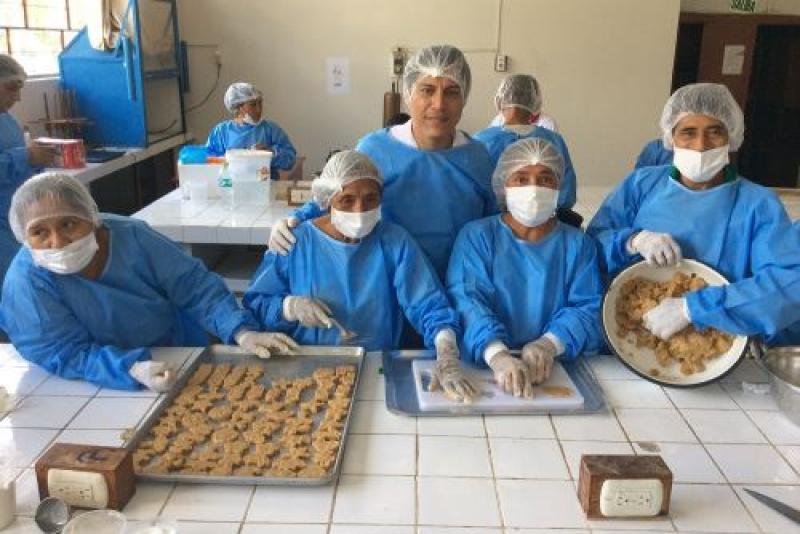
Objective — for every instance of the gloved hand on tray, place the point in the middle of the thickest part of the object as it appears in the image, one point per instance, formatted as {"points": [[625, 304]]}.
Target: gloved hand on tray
{"points": [[539, 355], [264, 344], [157, 376], [512, 374], [448, 374], [307, 311]]}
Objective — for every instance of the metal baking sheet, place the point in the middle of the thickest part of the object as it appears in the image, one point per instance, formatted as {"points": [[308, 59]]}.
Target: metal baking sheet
{"points": [[279, 366], [401, 396]]}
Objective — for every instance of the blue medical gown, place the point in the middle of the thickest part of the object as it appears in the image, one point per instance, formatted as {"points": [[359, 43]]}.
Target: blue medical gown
{"points": [[654, 154], [430, 193], [229, 134], [739, 228], [14, 169], [510, 290], [368, 285], [151, 293], [496, 139]]}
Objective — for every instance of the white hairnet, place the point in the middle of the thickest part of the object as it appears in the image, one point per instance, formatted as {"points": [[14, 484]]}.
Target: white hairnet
{"points": [[50, 194], [239, 93], [530, 151], [519, 91], [343, 167], [440, 61], [10, 70], [712, 99]]}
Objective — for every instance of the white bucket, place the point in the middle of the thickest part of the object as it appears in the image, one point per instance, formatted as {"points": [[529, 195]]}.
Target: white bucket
{"points": [[190, 174], [249, 173]]}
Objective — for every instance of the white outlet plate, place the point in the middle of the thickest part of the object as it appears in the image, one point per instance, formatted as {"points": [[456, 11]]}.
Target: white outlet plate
{"points": [[83, 489], [631, 497]]}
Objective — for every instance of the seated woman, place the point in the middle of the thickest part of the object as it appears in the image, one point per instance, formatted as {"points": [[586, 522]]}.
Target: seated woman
{"points": [[87, 295], [368, 273], [248, 130], [524, 280]]}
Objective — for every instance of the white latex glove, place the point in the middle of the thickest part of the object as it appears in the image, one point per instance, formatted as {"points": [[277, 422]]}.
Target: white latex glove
{"points": [[308, 311], [656, 248], [668, 318], [157, 376], [263, 344], [539, 355], [281, 238], [512, 374], [448, 374]]}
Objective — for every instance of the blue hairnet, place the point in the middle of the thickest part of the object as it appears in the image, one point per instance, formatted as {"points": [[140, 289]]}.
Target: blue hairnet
{"points": [[519, 91], [11, 70], [343, 167], [240, 92], [440, 61], [63, 196], [530, 151], [712, 99]]}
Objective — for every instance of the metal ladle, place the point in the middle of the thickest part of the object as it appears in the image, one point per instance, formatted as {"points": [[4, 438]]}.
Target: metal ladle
{"points": [[52, 515]]}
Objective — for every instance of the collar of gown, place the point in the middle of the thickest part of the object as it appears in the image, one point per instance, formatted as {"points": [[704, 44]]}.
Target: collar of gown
{"points": [[402, 132]]}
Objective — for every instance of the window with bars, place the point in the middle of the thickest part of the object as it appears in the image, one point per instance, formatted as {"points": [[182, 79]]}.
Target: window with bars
{"points": [[35, 31]]}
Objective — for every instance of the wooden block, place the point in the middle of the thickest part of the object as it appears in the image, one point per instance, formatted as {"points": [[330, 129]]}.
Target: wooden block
{"points": [[597, 469], [113, 463]]}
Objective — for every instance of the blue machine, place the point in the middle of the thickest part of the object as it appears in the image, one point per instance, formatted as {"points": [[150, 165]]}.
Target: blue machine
{"points": [[131, 94]]}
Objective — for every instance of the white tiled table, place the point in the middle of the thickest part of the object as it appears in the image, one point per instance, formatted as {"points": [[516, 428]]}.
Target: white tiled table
{"points": [[468, 475]]}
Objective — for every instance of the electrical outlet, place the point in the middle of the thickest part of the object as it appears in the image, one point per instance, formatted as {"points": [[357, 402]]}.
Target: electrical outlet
{"points": [[631, 497], [83, 489], [500, 63], [218, 57]]}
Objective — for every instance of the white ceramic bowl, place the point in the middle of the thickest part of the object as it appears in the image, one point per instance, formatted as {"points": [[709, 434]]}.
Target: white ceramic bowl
{"points": [[642, 359]]}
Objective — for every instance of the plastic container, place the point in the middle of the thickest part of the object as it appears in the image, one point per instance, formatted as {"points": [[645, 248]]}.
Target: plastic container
{"points": [[249, 174], [97, 522], [190, 173]]}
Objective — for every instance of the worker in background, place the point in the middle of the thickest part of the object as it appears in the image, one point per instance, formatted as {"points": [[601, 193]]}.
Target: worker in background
{"points": [[17, 162], [699, 207], [367, 272], [248, 129], [523, 279], [653, 154], [537, 116], [436, 177], [518, 100], [87, 295]]}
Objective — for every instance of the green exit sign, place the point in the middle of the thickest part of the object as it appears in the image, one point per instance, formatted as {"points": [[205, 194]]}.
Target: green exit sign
{"points": [[746, 6]]}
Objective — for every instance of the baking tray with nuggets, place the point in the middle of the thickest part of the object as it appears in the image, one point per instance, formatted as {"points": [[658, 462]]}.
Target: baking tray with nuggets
{"points": [[234, 418]]}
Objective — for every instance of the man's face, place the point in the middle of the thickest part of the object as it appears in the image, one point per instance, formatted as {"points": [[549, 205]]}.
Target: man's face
{"points": [[435, 106], [700, 133], [9, 94]]}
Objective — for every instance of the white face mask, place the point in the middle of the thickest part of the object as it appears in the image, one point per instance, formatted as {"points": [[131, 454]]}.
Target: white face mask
{"points": [[355, 224], [531, 205], [701, 167], [70, 259], [249, 120]]}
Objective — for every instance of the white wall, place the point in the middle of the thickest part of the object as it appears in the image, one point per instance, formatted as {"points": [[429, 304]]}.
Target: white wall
{"points": [[605, 65], [31, 104]]}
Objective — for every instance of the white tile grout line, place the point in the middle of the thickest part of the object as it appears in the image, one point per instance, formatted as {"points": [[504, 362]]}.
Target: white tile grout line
{"points": [[494, 475]]}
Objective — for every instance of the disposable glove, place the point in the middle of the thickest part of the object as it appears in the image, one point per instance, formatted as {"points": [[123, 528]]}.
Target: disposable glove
{"points": [[264, 344], [281, 238], [309, 311], [512, 374], [157, 376], [539, 356], [668, 318], [448, 374], [657, 249]]}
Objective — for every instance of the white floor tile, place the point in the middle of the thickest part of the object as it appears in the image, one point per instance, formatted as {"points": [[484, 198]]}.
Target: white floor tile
{"points": [[451, 426], [112, 413], [655, 425], [528, 458], [107, 438], [276, 504], [22, 525], [755, 464], [453, 456], [127, 393], [610, 368], [443, 501], [750, 400], [573, 450], [253, 528], [208, 502], [27, 493], [519, 426], [689, 462], [708, 397], [792, 454], [540, 504], [44, 412], [22, 380], [24, 445], [391, 500], [371, 529], [194, 527], [148, 500], [594, 427], [372, 417], [723, 426], [371, 384], [708, 508], [461, 530], [746, 371], [380, 454], [777, 427], [768, 519], [635, 394], [655, 524], [55, 385]]}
